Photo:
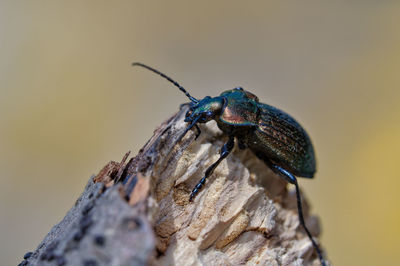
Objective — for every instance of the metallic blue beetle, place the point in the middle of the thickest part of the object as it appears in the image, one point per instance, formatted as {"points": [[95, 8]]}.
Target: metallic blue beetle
{"points": [[271, 134]]}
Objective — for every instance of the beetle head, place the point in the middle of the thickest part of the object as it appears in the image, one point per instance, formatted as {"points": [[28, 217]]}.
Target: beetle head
{"points": [[205, 110]]}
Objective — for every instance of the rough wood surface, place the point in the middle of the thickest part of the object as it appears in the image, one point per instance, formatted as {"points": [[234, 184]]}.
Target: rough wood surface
{"points": [[138, 213]]}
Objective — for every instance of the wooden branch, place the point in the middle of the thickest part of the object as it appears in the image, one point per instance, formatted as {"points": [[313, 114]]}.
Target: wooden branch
{"points": [[138, 213]]}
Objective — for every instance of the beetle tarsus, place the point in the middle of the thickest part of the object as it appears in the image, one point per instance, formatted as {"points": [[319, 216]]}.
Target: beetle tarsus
{"points": [[225, 150]]}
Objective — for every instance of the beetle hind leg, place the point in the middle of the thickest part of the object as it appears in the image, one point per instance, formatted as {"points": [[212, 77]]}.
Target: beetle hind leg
{"points": [[293, 180], [225, 150]]}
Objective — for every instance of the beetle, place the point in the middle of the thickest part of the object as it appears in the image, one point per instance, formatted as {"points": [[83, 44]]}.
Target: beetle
{"points": [[271, 134]]}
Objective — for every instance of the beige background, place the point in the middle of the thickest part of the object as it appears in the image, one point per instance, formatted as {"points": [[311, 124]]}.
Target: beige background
{"points": [[70, 101]]}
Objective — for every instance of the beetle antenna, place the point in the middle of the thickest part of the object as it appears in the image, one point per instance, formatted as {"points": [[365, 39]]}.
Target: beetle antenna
{"points": [[167, 78]]}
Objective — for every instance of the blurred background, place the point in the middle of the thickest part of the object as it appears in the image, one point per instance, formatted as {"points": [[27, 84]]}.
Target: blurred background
{"points": [[70, 101]]}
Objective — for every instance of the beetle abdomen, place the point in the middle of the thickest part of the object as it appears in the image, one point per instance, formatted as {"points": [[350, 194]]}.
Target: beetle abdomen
{"points": [[280, 138]]}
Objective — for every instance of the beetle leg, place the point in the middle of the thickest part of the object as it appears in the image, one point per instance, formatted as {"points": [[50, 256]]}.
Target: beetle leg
{"points": [[225, 150], [198, 131], [241, 145], [292, 179], [187, 129]]}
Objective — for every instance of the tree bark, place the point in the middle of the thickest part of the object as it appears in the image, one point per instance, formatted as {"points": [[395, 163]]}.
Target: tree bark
{"points": [[138, 213]]}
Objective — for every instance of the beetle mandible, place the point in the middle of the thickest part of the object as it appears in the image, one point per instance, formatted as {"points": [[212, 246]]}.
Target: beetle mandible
{"points": [[271, 134]]}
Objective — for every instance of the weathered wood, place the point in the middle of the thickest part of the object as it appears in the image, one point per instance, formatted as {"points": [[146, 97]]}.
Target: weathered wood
{"points": [[244, 214]]}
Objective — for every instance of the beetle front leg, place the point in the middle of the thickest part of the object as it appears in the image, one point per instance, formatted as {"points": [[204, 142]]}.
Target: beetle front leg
{"points": [[225, 150], [198, 131]]}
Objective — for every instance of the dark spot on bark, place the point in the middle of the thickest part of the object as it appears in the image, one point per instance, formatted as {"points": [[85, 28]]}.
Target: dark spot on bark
{"points": [[43, 256], [159, 253], [131, 223], [267, 235], [60, 261], [78, 236], [144, 164], [85, 223], [99, 240], [27, 255], [50, 256], [87, 208]]}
